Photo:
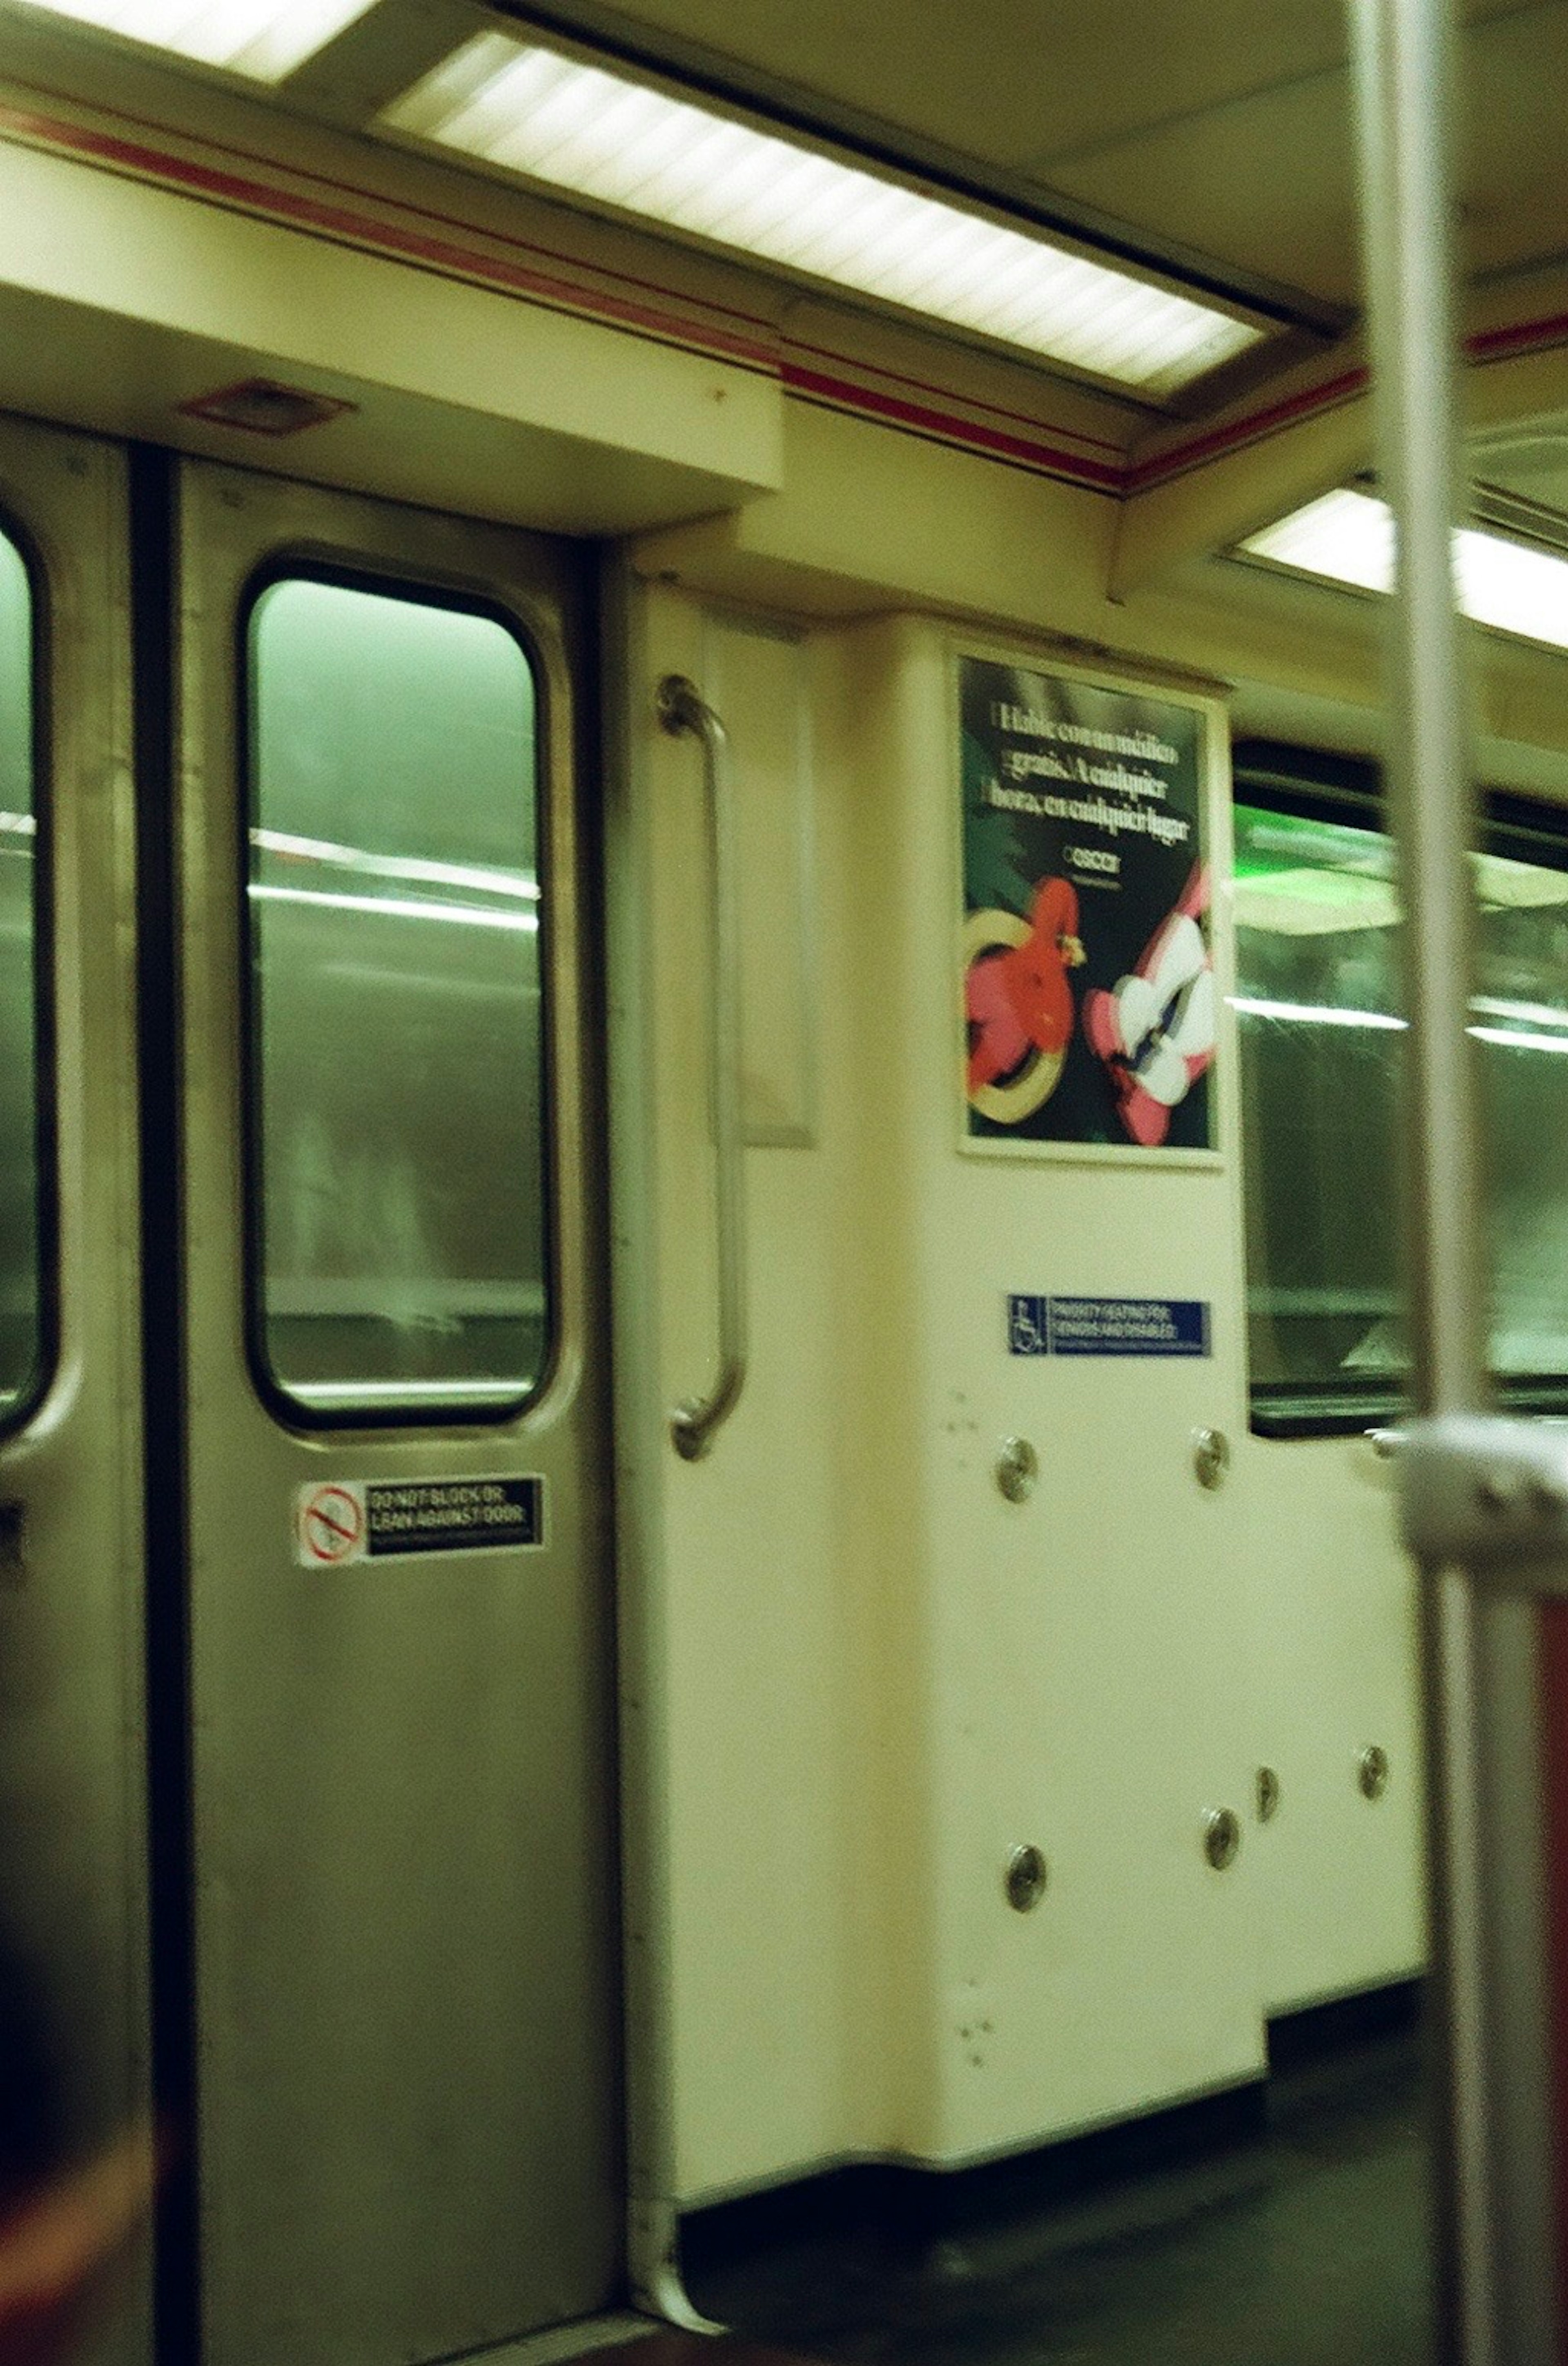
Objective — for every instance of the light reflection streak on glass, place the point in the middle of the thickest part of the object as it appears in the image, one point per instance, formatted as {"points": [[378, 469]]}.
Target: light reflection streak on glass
{"points": [[392, 866], [1534, 1014], [409, 1392], [400, 908], [1316, 1014], [1313, 1013], [1514, 1041]]}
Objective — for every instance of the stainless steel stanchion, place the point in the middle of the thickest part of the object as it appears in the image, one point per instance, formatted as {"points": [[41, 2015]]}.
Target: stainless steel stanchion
{"points": [[1484, 1498]]}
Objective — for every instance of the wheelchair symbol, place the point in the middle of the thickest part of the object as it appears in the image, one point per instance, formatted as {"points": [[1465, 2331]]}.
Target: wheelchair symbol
{"points": [[1026, 1326]]}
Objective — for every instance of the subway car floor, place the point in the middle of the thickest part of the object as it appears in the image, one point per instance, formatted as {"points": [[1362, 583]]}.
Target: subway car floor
{"points": [[1292, 2233]]}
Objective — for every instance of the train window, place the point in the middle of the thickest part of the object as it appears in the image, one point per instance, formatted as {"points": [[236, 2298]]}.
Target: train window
{"points": [[1317, 999], [21, 1273], [398, 1111]]}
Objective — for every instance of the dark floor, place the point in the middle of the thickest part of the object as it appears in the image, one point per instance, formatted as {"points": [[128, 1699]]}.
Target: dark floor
{"points": [[1298, 2241]]}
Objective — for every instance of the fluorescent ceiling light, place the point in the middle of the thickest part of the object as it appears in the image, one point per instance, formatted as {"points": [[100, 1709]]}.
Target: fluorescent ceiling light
{"points": [[599, 136], [264, 40], [1348, 538]]}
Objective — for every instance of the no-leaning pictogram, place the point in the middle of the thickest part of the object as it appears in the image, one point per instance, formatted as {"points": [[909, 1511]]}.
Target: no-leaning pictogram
{"points": [[337, 1521], [329, 1525]]}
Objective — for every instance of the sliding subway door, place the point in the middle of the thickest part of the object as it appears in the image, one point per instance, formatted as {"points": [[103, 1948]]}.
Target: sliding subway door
{"points": [[406, 2017]]}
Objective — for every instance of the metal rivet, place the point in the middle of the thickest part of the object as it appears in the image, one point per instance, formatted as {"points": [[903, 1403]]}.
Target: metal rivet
{"points": [[1371, 1772], [1267, 1795], [1210, 1457], [1018, 1467], [1027, 1875], [1222, 1837]]}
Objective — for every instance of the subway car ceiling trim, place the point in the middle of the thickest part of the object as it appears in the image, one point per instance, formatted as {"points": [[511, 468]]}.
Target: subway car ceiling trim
{"points": [[545, 117], [359, 217], [1094, 302]]}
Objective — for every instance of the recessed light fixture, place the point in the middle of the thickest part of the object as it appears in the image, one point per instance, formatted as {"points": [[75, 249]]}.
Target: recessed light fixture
{"points": [[1348, 537], [264, 40], [600, 135]]}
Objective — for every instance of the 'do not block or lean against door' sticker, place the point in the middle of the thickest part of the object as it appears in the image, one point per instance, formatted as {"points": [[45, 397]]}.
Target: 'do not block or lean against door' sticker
{"points": [[342, 1520], [1088, 991]]}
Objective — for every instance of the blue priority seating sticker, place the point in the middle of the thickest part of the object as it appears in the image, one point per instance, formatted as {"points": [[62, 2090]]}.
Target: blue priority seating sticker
{"points": [[1107, 1327]]}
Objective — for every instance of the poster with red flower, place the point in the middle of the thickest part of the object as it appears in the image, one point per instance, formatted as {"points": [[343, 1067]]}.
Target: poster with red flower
{"points": [[1087, 974]]}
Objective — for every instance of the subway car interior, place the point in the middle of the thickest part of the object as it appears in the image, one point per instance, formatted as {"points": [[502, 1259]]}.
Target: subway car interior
{"points": [[701, 1618]]}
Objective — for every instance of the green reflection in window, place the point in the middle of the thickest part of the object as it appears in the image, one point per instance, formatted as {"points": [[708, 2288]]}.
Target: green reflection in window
{"points": [[395, 915], [21, 1328], [1317, 996]]}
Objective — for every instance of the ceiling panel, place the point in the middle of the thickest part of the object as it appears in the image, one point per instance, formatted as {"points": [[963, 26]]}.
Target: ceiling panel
{"points": [[1006, 80], [1233, 146], [1264, 182]]}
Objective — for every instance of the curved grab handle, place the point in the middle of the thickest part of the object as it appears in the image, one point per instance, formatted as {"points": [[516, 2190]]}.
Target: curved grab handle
{"points": [[693, 1425]]}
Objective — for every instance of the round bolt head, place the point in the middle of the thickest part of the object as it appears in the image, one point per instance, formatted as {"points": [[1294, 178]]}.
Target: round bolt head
{"points": [[1018, 1470], [1222, 1837], [1267, 1795], [1371, 1772], [1027, 1875], [1210, 1457]]}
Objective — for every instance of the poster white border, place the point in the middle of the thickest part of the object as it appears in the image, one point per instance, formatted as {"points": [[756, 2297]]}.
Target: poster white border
{"points": [[1214, 774]]}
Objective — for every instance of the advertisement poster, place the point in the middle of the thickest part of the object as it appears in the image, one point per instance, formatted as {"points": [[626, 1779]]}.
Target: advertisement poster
{"points": [[1087, 986]]}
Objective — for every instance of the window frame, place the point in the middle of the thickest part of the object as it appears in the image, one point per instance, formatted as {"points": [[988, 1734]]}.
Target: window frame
{"points": [[1316, 786], [47, 1244], [421, 590]]}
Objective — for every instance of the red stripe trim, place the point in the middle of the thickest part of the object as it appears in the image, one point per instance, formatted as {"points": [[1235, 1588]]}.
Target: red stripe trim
{"points": [[944, 394], [1485, 345], [1523, 336], [1253, 428], [449, 256], [922, 420], [756, 321], [340, 223]]}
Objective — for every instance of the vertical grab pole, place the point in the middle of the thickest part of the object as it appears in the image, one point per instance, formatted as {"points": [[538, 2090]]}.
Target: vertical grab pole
{"points": [[1477, 1492]]}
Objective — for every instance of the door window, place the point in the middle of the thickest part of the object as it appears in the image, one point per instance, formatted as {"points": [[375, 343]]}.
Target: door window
{"points": [[398, 1104], [22, 1344]]}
